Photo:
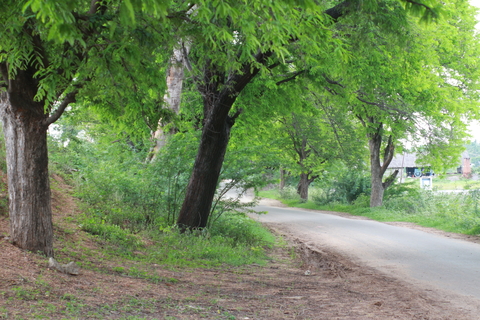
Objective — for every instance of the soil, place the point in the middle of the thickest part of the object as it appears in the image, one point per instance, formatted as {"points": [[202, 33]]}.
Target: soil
{"points": [[300, 282]]}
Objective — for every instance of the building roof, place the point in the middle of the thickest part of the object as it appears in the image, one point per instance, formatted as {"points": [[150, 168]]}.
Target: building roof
{"points": [[403, 160], [410, 160]]}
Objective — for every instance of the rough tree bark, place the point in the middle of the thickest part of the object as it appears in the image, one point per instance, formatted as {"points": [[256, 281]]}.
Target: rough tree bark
{"points": [[25, 123], [304, 183], [25, 129], [377, 168], [219, 92]]}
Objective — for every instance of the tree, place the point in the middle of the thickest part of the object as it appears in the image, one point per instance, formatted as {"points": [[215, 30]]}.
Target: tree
{"points": [[45, 51], [227, 53], [315, 138], [231, 49], [410, 84], [172, 98]]}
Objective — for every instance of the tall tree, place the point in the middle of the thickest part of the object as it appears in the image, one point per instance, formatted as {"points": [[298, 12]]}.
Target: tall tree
{"points": [[241, 41], [45, 50], [409, 84], [315, 137], [228, 51]]}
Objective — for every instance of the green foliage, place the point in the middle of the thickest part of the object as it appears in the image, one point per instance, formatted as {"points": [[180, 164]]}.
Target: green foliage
{"points": [[111, 232], [238, 229], [343, 186], [289, 193], [453, 212], [406, 197], [244, 169], [128, 193], [232, 241], [128, 203]]}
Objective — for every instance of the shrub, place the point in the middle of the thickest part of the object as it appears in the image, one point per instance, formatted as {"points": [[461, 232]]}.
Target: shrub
{"points": [[125, 199], [289, 193], [346, 187]]}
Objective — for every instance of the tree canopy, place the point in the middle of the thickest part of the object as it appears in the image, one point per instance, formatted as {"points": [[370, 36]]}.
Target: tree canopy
{"points": [[400, 69]]}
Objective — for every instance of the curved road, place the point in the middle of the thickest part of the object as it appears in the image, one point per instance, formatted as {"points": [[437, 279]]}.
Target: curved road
{"points": [[439, 262]]}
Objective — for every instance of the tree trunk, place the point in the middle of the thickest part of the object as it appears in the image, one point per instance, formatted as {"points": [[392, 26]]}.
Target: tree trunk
{"points": [[27, 168], [303, 184], [219, 91], [375, 144], [172, 97], [376, 196], [377, 168], [283, 173], [203, 182]]}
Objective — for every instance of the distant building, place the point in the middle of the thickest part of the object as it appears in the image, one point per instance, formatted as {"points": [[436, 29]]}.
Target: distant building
{"points": [[466, 167], [407, 164]]}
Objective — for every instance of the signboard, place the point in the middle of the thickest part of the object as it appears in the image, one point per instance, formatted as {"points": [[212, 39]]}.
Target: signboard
{"points": [[426, 183]]}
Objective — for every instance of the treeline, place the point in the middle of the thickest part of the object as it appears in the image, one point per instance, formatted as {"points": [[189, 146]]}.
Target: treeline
{"points": [[298, 88]]}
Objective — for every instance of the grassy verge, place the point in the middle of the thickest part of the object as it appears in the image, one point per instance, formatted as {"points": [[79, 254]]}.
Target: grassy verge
{"points": [[460, 184], [459, 213], [237, 241], [149, 276], [128, 274]]}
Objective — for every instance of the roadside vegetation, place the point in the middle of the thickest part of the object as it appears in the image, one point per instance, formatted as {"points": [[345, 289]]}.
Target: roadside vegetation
{"points": [[129, 204], [349, 192]]}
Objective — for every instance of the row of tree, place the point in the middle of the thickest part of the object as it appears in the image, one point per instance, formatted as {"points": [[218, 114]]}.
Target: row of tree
{"points": [[316, 76]]}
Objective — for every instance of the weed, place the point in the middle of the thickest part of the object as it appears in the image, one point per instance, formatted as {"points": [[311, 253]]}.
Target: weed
{"points": [[26, 293], [118, 269]]}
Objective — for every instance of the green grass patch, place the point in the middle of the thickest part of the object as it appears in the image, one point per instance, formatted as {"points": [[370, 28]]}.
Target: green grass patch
{"points": [[234, 240], [460, 184], [452, 212]]}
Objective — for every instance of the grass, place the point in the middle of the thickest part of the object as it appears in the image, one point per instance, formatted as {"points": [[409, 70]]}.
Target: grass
{"points": [[143, 261], [236, 240], [459, 213], [461, 184]]}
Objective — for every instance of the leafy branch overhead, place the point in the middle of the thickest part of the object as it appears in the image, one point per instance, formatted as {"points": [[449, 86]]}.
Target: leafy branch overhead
{"points": [[107, 59]]}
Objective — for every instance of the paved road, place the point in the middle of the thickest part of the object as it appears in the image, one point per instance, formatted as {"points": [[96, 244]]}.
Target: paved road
{"points": [[436, 261]]}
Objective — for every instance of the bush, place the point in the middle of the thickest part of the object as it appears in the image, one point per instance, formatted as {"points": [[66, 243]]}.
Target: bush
{"points": [[111, 232], [346, 187], [289, 193], [240, 229], [126, 199]]}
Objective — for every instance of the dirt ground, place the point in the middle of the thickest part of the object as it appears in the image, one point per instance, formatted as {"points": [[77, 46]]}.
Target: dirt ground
{"points": [[300, 282]]}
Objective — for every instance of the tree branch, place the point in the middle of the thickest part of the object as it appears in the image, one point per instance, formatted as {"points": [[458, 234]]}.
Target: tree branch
{"points": [[339, 10], [95, 5], [69, 98], [231, 119], [296, 74], [333, 81], [330, 120], [384, 107], [388, 154], [427, 8], [388, 182]]}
